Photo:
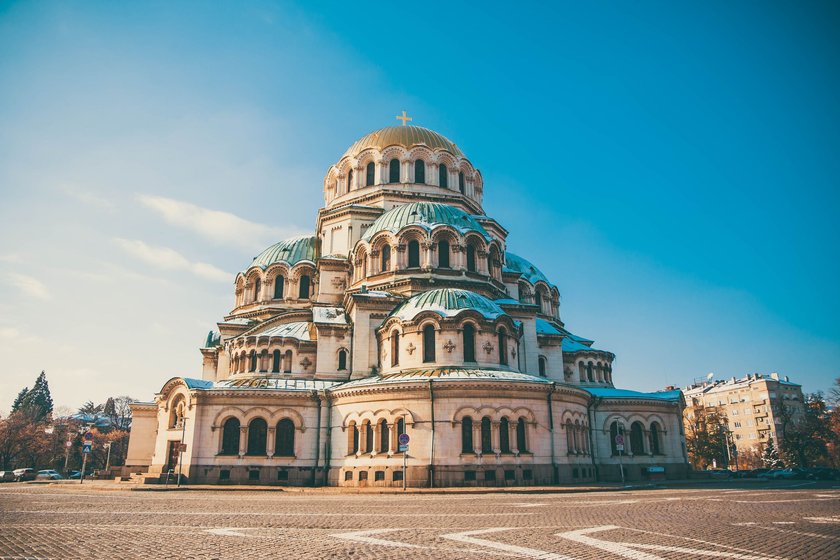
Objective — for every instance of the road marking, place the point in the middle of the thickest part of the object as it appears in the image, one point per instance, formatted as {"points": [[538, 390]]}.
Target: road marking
{"points": [[619, 549], [745, 523], [525, 505], [362, 537], [803, 533], [467, 537], [265, 513], [227, 532], [822, 519], [714, 553], [783, 523]]}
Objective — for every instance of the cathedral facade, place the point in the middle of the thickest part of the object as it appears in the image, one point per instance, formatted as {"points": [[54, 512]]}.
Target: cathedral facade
{"points": [[403, 313]]}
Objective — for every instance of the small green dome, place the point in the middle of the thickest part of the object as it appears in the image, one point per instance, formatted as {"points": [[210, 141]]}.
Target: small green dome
{"points": [[427, 215], [515, 263], [447, 302], [405, 136], [291, 251]]}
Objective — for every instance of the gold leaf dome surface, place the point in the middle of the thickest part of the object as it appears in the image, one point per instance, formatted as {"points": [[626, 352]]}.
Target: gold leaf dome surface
{"points": [[405, 136]]}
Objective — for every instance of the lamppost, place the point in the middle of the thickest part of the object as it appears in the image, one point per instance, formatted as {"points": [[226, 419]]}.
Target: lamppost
{"points": [[108, 460]]}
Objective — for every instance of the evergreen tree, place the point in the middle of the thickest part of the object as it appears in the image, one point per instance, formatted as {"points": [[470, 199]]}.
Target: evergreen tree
{"points": [[38, 403], [19, 399], [770, 456]]}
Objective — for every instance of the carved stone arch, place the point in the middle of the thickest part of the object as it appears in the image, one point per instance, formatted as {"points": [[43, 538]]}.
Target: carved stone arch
{"points": [[413, 232], [291, 414], [368, 155], [446, 232], [654, 417], [637, 417], [256, 412], [169, 389], [615, 417], [464, 411], [345, 165], [382, 238], [301, 268], [391, 324], [228, 412], [421, 152], [275, 269], [527, 413], [350, 419], [491, 411], [392, 152], [472, 317], [396, 414], [240, 281], [425, 318], [252, 274]]}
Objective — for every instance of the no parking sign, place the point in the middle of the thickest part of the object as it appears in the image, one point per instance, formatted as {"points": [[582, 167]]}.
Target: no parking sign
{"points": [[403, 441]]}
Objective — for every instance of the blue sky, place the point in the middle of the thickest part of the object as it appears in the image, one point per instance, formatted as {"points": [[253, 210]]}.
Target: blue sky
{"points": [[672, 167]]}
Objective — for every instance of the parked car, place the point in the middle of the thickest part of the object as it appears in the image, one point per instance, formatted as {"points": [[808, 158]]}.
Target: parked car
{"points": [[822, 473], [7, 476], [75, 475], [752, 473], [48, 474], [22, 475], [719, 473], [785, 474]]}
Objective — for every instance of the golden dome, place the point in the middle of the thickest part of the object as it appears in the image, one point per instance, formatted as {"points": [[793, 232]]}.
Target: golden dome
{"points": [[406, 136]]}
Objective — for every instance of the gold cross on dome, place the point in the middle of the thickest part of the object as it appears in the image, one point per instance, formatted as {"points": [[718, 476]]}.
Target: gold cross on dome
{"points": [[403, 118]]}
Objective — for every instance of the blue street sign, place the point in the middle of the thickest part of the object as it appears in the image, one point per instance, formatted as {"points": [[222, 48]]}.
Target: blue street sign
{"points": [[86, 447]]}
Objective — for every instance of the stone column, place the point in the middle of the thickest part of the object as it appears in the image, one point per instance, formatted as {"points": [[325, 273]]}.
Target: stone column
{"points": [[477, 437], [405, 165], [243, 440], [428, 247], [514, 443], [269, 445], [495, 442], [377, 438], [392, 440], [363, 428]]}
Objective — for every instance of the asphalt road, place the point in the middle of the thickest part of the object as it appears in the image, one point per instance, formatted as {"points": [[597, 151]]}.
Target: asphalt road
{"points": [[745, 522]]}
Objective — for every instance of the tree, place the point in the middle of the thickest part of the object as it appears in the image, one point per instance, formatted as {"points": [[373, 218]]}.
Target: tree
{"points": [[90, 409], [770, 456], [705, 438], [805, 436], [19, 399], [38, 403]]}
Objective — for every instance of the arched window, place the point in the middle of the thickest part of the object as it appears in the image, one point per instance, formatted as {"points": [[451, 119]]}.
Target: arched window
{"points": [[350, 180], [400, 426], [177, 410], [395, 348], [471, 258], [394, 171], [257, 431], [234, 365], [429, 343], [342, 360], [576, 436], [504, 435], [542, 366], [502, 335], [370, 174], [257, 287], [413, 253], [655, 447], [637, 442], [279, 287], [284, 438], [521, 443], [287, 362], [253, 358], [243, 362], [469, 342], [589, 375], [467, 435], [275, 361], [385, 259], [538, 300], [368, 437], [570, 442], [419, 171], [614, 431], [443, 254], [303, 290], [264, 360], [486, 438], [443, 176], [461, 185], [384, 436], [230, 437]]}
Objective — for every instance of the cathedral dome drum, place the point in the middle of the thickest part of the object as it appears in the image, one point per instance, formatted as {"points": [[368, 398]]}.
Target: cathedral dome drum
{"points": [[427, 215], [290, 251], [447, 302]]}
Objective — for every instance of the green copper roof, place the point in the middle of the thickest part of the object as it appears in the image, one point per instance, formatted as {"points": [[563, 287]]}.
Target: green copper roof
{"points": [[515, 263], [290, 251], [406, 136], [447, 302], [298, 330], [427, 215]]}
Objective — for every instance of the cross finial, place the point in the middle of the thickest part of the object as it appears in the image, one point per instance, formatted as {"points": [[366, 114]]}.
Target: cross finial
{"points": [[403, 118]]}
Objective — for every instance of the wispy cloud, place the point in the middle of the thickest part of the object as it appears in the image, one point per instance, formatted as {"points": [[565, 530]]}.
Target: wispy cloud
{"points": [[30, 286], [218, 226], [88, 198], [10, 258], [12, 334], [170, 259]]}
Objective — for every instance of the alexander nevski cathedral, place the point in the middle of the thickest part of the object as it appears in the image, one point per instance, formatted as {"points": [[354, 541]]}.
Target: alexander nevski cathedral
{"points": [[403, 313]]}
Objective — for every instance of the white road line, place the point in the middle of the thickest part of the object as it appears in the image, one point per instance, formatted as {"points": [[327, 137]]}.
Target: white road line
{"points": [[265, 513], [694, 551], [467, 537], [803, 533], [362, 537], [227, 532], [619, 549], [660, 534], [822, 519], [524, 504]]}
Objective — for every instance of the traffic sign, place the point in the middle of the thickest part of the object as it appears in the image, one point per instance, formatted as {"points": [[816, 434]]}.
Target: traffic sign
{"points": [[88, 436], [619, 439], [182, 448], [86, 447], [403, 441], [69, 443]]}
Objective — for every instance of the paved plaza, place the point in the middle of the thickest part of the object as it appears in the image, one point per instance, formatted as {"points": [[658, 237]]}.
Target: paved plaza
{"points": [[744, 522]]}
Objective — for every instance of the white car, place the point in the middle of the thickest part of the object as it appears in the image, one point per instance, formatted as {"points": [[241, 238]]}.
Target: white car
{"points": [[48, 474]]}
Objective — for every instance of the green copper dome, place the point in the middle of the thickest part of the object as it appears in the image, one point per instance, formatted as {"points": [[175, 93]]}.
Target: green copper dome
{"points": [[515, 263], [427, 215], [291, 251], [405, 136], [446, 302]]}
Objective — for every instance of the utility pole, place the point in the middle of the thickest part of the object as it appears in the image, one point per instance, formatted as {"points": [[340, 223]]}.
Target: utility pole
{"points": [[108, 460]]}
